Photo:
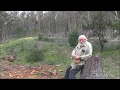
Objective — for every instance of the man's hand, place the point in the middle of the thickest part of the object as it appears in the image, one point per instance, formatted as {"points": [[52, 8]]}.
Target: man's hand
{"points": [[76, 59]]}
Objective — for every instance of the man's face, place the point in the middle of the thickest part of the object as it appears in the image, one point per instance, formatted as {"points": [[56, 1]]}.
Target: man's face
{"points": [[82, 40]]}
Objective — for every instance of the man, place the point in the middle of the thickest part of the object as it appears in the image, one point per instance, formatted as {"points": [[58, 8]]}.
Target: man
{"points": [[80, 54]]}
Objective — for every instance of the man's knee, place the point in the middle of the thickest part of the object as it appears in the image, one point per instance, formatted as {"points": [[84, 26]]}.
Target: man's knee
{"points": [[69, 68], [72, 70]]}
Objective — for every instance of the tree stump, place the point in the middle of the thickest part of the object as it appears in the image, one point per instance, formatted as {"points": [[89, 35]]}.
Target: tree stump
{"points": [[93, 68], [11, 58]]}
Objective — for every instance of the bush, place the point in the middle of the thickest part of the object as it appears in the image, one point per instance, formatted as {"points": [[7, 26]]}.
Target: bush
{"points": [[40, 36], [45, 39], [73, 38], [35, 55]]}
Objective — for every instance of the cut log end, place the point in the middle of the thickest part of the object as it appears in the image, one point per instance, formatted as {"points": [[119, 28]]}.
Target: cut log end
{"points": [[93, 68]]}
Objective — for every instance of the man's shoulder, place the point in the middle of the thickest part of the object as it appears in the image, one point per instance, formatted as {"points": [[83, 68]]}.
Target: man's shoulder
{"points": [[88, 43], [78, 44]]}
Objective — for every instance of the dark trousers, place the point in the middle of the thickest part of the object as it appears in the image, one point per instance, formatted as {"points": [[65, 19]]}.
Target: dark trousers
{"points": [[71, 73]]}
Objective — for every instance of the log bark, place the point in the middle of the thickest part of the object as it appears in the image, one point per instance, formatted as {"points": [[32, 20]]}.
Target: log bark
{"points": [[93, 68]]}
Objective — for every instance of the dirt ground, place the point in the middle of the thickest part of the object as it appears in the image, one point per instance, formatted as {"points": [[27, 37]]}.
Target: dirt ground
{"points": [[11, 71]]}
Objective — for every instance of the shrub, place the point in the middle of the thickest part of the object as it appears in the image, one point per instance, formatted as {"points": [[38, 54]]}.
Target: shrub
{"points": [[73, 38], [40, 36], [35, 55], [45, 39]]}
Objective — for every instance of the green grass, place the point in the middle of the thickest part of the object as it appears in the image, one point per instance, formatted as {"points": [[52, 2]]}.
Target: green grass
{"points": [[111, 64], [54, 53], [58, 54], [20, 47]]}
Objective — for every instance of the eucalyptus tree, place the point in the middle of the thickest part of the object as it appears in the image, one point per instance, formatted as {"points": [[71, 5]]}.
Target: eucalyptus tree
{"points": [[99, 25], [3, 25]]}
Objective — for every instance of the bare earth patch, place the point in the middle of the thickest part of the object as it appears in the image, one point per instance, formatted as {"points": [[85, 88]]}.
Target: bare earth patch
{"points": [[10, 71]]}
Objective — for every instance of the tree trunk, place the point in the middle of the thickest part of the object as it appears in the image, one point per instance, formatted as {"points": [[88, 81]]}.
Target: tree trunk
{"points": [[93, 68]]}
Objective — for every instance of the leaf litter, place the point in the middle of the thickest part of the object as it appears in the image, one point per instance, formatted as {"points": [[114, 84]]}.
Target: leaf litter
{"points": [[9, 71]]}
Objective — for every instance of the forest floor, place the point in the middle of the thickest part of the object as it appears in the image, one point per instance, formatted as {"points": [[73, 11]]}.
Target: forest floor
{"points": [[12, 71]]}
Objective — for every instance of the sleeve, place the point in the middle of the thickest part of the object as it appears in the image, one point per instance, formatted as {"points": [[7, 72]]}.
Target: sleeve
{"points": [[73, 52], [85, 57]]}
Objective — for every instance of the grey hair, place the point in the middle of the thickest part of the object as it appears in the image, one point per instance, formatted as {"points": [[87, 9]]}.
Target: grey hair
{"points": [[82, 36]]}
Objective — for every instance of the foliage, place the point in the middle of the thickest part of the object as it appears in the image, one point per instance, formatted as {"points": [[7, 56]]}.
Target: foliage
{"points": [[109, 46], [20, 32], [40, 36], [35, 56], [73, 38], [98, 26], [116, 26]]}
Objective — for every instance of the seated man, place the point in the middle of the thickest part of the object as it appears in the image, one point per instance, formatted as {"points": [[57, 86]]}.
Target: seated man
{"points": [[80, 54]]}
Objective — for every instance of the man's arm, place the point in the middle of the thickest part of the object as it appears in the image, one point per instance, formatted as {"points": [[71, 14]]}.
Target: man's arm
{"points": [[76, 58], [73, 54], [85, 57]]}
